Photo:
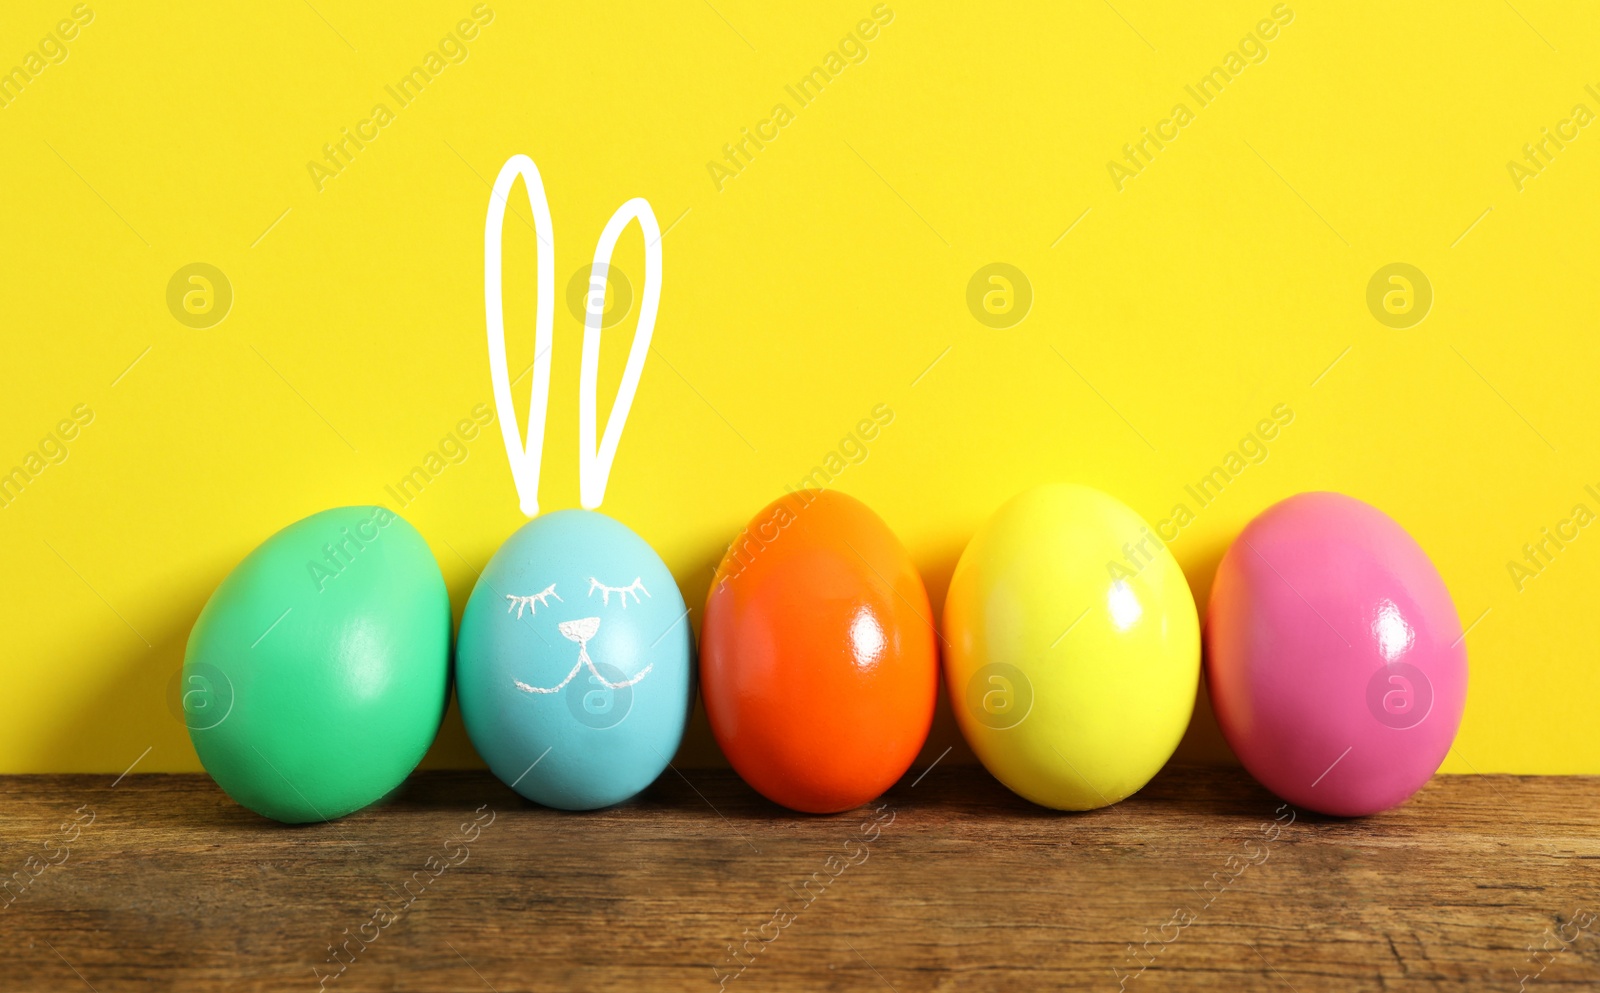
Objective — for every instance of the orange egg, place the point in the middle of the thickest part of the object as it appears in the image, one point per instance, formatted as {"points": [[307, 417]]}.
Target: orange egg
{"points": [[817, 659]]}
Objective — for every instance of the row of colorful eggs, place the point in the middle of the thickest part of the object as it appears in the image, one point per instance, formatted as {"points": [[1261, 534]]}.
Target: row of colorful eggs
{"points": [[318, 673]]}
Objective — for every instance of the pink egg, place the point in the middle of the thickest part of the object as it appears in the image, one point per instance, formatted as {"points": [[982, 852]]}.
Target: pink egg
{"points": [[1334, 656]]}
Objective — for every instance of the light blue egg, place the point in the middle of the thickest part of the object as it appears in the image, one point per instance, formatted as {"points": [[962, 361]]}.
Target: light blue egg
{"points": [[575, 662]]}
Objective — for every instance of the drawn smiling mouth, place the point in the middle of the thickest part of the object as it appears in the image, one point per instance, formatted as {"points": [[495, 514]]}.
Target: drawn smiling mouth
{"points": [[580, 631]]}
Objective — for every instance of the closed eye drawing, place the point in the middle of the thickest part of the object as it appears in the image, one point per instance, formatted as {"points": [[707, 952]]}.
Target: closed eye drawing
{"points": [[636, 587], [542, 598]]}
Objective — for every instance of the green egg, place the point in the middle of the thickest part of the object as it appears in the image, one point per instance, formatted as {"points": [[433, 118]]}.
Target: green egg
{"points": [[318, 672]]}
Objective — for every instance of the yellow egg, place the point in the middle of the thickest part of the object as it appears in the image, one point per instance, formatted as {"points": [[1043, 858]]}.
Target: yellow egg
{"points": [[1073, 649]]}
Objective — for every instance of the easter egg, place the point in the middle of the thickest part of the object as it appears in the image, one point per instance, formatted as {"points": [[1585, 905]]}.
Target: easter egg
{"points": [[1334, 657], [318, 672], [1072, 648], [818, 663], [574, 665]]}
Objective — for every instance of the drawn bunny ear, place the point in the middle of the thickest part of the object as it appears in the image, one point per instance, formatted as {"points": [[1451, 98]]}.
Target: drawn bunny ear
{"points": [[594, 464], [525, 457]]}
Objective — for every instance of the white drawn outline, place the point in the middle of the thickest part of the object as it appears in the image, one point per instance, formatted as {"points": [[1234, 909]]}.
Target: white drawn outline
{"points": [[581, 630], [594, 464], [542, 598], [634, 587], [594, 461], [525, 459]]}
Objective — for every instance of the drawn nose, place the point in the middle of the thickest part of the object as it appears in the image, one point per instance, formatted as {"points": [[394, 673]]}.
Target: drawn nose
{"points": [[580, 630]]}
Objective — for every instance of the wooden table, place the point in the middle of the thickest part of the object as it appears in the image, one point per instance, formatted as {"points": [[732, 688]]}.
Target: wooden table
{"points": [[161, 882]]}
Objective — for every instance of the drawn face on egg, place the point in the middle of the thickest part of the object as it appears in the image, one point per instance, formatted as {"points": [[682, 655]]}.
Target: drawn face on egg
{"points": [[574, 662], [596, 705], [580, 618]]}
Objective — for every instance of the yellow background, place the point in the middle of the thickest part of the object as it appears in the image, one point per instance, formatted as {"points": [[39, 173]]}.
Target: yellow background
{"points": [[823, 280]]}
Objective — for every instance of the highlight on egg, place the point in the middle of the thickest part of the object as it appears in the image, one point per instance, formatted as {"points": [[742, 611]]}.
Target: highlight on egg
{"points": [[818, 660], [1335, 659], [1072, 652], [317, 674], [575, 662]]}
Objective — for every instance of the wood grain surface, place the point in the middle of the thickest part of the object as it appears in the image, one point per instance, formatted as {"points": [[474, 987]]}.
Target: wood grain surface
{"points": [[160, 882]]}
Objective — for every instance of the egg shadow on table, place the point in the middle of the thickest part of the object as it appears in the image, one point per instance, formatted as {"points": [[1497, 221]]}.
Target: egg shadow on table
{"points": [[135, 709], [1202, 742], [451, 747], [698, 749], [137, 713], [971, 795], [936, 568]]}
